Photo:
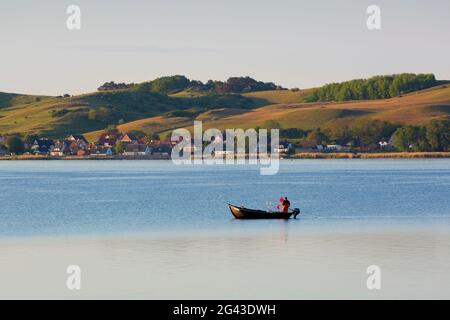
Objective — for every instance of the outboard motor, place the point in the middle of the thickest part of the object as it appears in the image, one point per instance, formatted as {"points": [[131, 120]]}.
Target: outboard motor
{"points": [[296, 212]]}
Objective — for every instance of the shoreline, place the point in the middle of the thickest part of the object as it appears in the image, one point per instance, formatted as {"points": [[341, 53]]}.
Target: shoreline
{"points": [[303, 155], [380, 155]]}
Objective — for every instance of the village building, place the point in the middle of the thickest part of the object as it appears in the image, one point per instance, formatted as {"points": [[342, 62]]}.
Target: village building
{"points": [[61, 148], [221, 153], [137, 150], [107, 140], [78, 145], [308, 146], [334, 147], [383, 144], [129, 138], [161, 149], [42, 146], [284, 147], [386, 144], [82, 153], [100, 151], [77, 137]]}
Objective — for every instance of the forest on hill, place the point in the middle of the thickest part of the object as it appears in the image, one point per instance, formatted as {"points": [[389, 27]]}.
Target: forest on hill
{"points": [[165, 103], [378, 87], [174, 84]]}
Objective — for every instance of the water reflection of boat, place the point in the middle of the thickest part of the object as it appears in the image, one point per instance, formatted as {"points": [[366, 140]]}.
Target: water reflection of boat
{"points": [[245, 213]]}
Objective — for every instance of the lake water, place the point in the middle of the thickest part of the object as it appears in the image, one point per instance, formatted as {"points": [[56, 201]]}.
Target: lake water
{"points": [[101, 197], [165, 231]]}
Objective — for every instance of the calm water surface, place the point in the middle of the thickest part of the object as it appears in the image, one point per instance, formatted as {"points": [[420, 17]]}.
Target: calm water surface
{"points": [[149, 229], [110, 197]]}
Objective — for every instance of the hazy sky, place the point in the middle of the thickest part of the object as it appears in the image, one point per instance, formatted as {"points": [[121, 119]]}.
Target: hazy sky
{"points": [[294, 43]]}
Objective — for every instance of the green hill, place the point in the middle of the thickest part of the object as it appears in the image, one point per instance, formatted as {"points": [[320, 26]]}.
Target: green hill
{"points": [[56, 117], [171, 102], [13, 99], [415, 108], [118, 103], [281, 96]]}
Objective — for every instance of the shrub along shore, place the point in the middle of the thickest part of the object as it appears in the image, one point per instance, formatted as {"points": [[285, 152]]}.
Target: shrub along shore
{"points": [[378, 155], [302, 155]]}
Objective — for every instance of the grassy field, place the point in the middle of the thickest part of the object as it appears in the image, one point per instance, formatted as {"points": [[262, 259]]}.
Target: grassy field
{"points": [[11, 99], [415, 108], [281, 96], [57, 117]]}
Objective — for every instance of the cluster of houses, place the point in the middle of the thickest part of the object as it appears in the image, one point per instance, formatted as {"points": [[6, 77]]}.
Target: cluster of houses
{"points": [[132, 146], [312, 146], [78, 145]]}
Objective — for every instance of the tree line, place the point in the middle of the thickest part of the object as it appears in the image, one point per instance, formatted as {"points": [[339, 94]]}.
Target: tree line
{"points": [[16, 145], [434, 136], [378, 87], [177, 83]]}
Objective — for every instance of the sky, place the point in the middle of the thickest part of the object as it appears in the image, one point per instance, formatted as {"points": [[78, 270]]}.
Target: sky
{"points": [[294, 43]]}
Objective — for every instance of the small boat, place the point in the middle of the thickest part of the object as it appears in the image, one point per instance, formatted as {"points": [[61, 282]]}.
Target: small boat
{"points": [[244, 213]]}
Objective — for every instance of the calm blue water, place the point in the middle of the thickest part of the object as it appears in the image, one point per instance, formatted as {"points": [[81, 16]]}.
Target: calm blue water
{"points": [[42, 198]]}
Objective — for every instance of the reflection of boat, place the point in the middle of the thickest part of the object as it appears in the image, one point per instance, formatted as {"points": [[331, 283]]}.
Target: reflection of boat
{"points": [[244, 213]]}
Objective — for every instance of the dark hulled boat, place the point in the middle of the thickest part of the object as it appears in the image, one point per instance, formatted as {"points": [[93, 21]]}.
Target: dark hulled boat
{"points": [[244, 213]]}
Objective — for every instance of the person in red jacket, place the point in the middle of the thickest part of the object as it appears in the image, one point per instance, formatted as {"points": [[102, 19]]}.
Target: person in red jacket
{"points": [[286, 204]]}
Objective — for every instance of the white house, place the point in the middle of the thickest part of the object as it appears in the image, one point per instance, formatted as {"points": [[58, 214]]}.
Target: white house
{"points": [[223, 153], [334, 147], [101, 152], [386, 144], [137, 150], [283, 148]]}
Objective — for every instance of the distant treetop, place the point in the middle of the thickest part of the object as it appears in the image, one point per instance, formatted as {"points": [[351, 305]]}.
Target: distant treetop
{"points": [[378, 87], [107, 86], [177, 83], [243, 85]]}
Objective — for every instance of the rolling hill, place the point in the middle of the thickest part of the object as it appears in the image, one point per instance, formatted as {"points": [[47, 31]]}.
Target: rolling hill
{"points": [[281, 96], [12, 99], [180, 101], [415, 108], [59, 116]]}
